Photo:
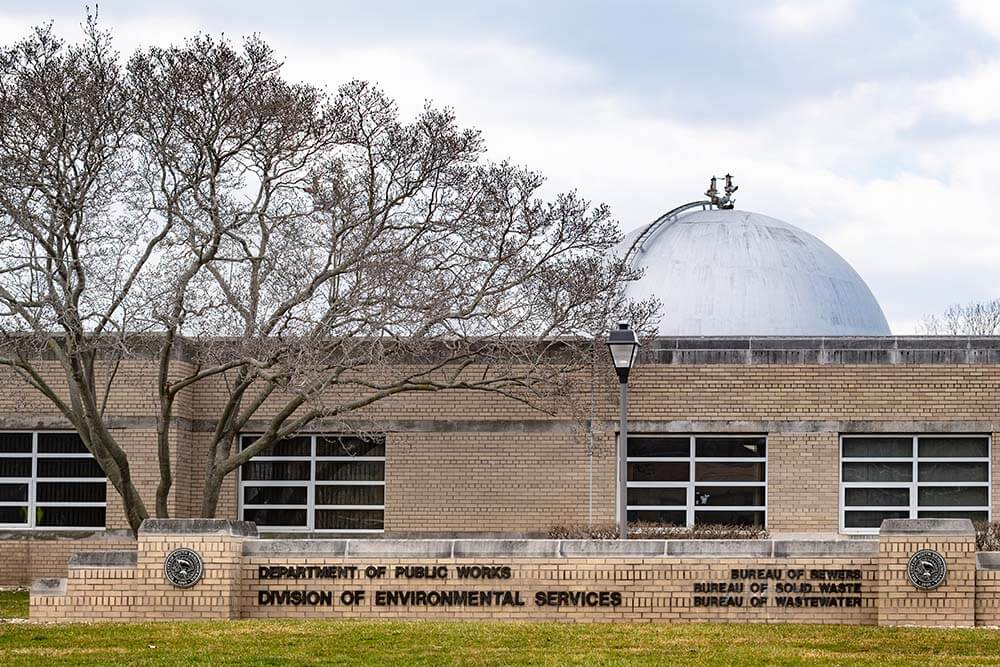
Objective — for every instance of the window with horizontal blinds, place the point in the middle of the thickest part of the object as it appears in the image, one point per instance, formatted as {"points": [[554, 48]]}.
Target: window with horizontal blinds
{"points": [[315, 483], [687, 480], [912, 477], [49, 481]]}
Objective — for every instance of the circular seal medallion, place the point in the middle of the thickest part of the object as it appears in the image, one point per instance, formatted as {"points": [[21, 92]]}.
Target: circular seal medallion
{"points": [[183, 567], [926, 569]]}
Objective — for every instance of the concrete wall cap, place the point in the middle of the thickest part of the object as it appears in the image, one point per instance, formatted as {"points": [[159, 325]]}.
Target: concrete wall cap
{"points": [[123, 558], [719, 548], [599, 548], [294, 547], [796, 548], [48, 587], [506, 548], [988, 560], [927, 526], [198, 527], [400, 548]]}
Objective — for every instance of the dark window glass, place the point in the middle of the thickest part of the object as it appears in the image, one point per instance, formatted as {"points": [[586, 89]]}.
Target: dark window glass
{"points": [[878, 472], [17, 515], [349, 445], [665, 517], [856, 519], [942, 514], [729, 472], [659, 446], [659, 472], [261, 471], [349, 519], [13, 492], [274, 495], [350, 495], [730, 447], [953, 472], [11, 467], [69, 468], [15, 443], [344, 471], [957, 496], [877, 497], [276, 517], [733, 517], [942, 447], [72, 492], [60, 443], [298, 446], [657, 496], [722, 496], [70, 517], [877, 447]]}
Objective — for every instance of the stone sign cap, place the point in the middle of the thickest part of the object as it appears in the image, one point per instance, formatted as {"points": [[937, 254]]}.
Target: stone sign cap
{"points": [[198, 527], [927, 526], [121, 558], [48, 587]]}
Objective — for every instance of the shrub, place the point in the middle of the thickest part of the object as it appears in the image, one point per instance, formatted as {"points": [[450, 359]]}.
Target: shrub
{"points": [[649, 531], [987, 536]]}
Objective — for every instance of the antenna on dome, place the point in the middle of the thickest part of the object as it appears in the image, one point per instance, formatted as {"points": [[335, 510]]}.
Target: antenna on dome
{"points": [[726, 201]]}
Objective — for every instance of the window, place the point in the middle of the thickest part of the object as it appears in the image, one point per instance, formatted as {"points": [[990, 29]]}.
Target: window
{"points": [[688, 480], [315, 483], [50, 481], [912, 477]]}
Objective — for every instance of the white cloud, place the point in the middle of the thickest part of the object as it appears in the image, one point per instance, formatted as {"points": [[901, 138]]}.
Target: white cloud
{"points": [[806, 16], [920, 231], [973, 96], [983, 13]]}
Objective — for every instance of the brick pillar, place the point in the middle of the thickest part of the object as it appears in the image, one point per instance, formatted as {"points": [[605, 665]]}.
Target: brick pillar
{"points": [[219, 543], [951, 603]]}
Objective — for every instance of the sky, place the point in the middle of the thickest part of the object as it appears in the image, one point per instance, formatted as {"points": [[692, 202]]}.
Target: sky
{"points": [[872, 125]]}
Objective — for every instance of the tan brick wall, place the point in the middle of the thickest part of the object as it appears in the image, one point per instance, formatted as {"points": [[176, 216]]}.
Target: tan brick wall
{"points": [[803, 482], [442, 477], [27, 559], [951, 604], [496, 482]]}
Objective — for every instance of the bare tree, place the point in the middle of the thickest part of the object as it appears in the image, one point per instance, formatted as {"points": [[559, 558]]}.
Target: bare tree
{"points": [[973, 319], [314, 256]]}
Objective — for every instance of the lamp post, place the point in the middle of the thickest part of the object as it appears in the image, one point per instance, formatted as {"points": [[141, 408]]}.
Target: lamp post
{"points": [[624, 346]]}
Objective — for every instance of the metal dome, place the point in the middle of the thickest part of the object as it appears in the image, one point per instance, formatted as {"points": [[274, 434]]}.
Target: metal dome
{"points": [[722, 272]]}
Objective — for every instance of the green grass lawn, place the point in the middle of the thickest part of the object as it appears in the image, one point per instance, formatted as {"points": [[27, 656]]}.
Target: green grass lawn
{"points": [[400, 643], [13, 604]]}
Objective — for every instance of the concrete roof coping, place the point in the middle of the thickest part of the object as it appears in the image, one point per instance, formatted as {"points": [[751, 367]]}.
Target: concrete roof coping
{"points": [[198, 526], [48, 587], [123, 558], [927, 526]]}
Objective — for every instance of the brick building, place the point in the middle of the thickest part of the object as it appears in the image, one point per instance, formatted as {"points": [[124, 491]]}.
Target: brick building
{"points": [[813, 419]]}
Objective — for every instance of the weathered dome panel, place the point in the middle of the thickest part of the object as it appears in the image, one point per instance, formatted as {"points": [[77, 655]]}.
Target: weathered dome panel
{"points": [[735, 273]]}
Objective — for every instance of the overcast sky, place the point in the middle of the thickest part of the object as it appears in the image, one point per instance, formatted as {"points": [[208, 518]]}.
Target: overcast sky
{"points": [[873, 125]]}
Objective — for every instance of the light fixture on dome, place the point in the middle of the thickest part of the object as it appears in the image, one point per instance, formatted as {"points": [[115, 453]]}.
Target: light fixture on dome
{"points": [[624, 347], [726, 201]]}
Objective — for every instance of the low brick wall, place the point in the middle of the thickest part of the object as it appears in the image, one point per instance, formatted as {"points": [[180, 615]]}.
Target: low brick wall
{"points": [[29, 557], [761, 581]]}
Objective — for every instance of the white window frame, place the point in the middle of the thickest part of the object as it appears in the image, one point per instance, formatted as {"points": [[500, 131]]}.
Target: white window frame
{"points": [[310, 485], [914, 484], [32, 503], [690, 507]]}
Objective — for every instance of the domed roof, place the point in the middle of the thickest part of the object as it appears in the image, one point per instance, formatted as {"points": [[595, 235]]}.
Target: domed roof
{"points": [[721, 272]]}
